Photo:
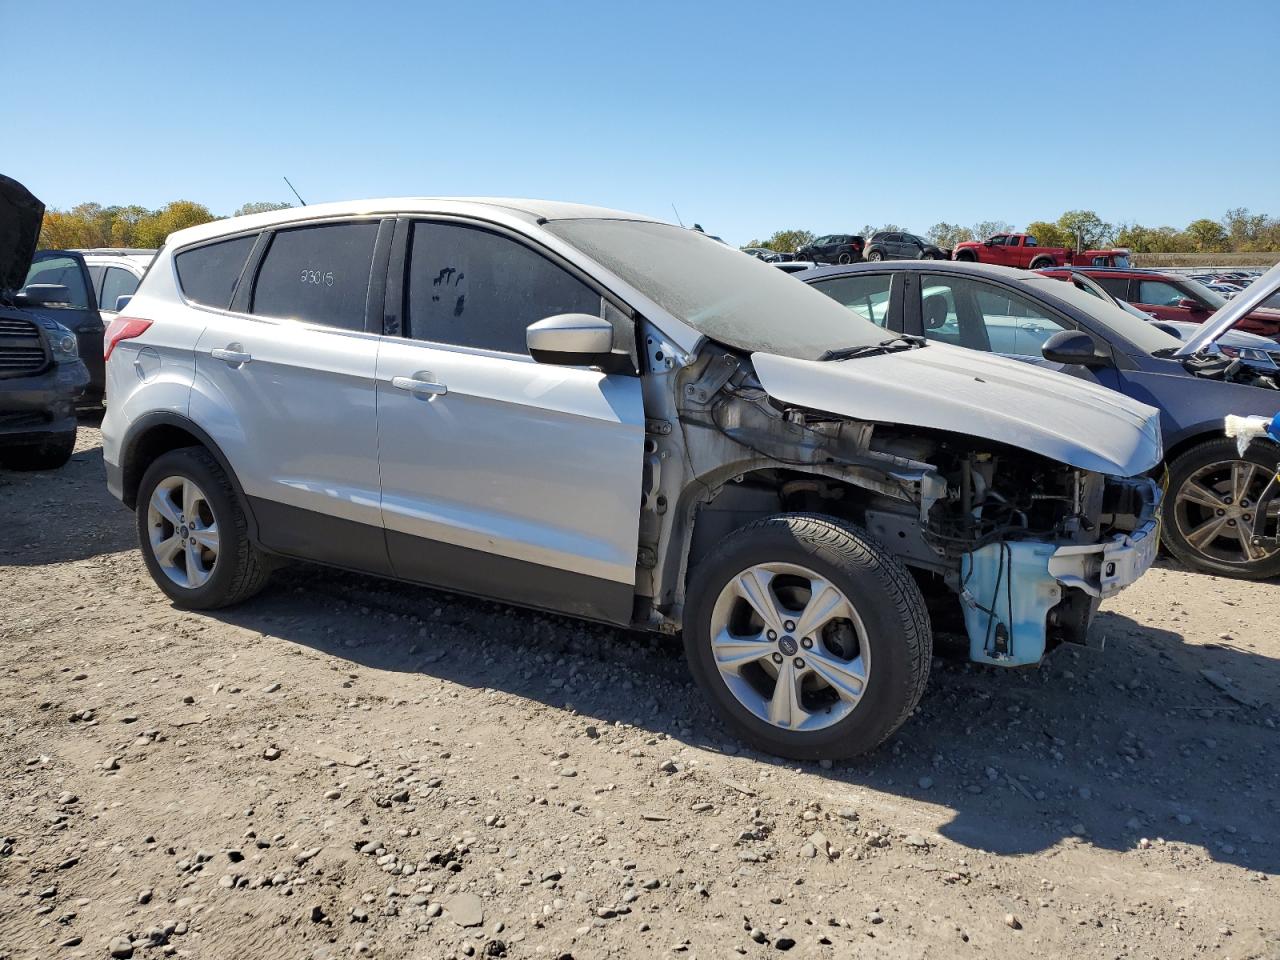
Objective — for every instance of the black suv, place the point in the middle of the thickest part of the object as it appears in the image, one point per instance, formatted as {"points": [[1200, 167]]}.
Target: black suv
{"points": [[833, 248], [41, 374], [888, 245]]}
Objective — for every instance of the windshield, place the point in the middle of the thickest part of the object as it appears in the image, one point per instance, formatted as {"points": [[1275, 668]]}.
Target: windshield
{"points": [[1199, 291], [1141, 333], [739, 301]]}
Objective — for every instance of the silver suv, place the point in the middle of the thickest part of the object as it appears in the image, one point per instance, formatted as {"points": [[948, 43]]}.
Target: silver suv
{"points": [[594, 413]]}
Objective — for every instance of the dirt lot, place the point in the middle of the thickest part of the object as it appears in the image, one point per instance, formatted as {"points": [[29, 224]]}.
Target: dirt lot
{"points": [[344, 766]]}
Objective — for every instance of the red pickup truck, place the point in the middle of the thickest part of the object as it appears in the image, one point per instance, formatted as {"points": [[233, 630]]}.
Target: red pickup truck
{"points": [[1021, 250]]}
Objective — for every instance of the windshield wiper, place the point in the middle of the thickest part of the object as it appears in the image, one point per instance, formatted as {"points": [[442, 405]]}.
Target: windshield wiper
{"points": [[904, 342]]}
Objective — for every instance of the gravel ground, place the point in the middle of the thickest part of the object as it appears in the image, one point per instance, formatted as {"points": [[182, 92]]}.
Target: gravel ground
{"points": [[344, 766]]}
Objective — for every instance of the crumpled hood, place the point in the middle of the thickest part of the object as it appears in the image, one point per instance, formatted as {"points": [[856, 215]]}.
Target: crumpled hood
{"points": [[984, 396], [20, 217]]}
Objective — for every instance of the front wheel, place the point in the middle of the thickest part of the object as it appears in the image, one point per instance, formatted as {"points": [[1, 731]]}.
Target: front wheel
{"points": [[1219, 515], [194, 534], [809, 638], [875, 256]]}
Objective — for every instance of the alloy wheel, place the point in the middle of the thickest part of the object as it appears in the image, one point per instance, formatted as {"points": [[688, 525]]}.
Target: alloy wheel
{"points": [[183, 532], [790, 646], [1216, 510]]}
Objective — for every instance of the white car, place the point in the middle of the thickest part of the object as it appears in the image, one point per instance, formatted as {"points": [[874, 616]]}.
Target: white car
{"points": [[115, 272], [607, 416]]}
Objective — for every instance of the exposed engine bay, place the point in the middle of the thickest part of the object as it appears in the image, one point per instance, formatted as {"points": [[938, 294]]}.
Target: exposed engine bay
{"points": [[1233, 369], [1020, 539]]}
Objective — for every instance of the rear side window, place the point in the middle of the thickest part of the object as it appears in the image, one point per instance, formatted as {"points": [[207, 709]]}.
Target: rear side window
{"points": [[865, 294], [1118, 287], [208, 274], [117, 283], [318, 274], [66, 271], [472, 288]]}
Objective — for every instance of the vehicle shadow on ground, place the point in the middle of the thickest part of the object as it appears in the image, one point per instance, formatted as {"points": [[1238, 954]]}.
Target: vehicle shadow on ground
{"points": [[1151, 738], [75, 519]]}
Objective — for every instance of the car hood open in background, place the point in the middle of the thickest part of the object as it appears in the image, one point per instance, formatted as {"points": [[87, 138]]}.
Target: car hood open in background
{"points": [[20, 217], [971, 393]]}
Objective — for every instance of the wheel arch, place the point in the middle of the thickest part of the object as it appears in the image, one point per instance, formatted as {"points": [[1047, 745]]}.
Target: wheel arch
{"points": [[158, 433], [742, 492]]}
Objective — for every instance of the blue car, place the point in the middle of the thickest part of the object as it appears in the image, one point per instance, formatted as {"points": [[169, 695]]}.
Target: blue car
{"points": [[1213, 520]]}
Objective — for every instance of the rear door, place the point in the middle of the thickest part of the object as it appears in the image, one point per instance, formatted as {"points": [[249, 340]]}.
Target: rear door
{"points": [[80, 313], [117, 281], [285, 385], [501, 476]]}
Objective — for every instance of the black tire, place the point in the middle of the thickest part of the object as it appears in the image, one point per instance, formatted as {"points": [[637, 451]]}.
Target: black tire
{"points": [[49, 454], [1179, 520], [885, 597], [875, 256], [844, 258], [241, 570], [966, 256], [1042, 264]]}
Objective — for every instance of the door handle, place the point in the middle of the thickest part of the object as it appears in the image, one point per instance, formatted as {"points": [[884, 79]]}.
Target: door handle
{"points": [[419, 386], [229, 355]]}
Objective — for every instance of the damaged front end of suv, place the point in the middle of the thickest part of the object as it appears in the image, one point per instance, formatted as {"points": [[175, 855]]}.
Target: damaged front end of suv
{"points": [[1027, 541]]}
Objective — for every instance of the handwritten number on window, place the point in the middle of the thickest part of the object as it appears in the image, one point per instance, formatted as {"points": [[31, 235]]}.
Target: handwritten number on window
{"points": [[320, 278]]}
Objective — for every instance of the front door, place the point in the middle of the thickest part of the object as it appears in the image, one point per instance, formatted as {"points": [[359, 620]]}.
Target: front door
{"points": [[502, 476], [79, 313], [285, 385]]}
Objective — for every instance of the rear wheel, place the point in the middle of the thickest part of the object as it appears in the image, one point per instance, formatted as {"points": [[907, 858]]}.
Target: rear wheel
{"points": [[48, 454], [845, 258], [1042, 264], [810, 640], [1214, 521], [193, 532]]}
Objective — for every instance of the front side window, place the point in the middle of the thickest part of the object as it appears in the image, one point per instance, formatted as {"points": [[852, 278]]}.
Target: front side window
{"points": [[317, 274], [999, 241], [208, 274], [1157, 293], [867, 295], [983, 316], [66, 271], [118, 282], [469, 287]]}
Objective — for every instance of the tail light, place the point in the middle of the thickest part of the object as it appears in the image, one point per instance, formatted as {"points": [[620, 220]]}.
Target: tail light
{"points": [[122, 328]]}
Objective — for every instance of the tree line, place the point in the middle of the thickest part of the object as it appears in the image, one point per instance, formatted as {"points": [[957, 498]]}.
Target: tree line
{"points": [[92, 225], [1238, 231]]}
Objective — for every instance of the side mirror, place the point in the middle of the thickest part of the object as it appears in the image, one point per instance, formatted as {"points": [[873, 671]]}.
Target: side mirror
{"points": [[1186, 303], [1074, 348], [122, 301], [43, 294], [571, 339]]}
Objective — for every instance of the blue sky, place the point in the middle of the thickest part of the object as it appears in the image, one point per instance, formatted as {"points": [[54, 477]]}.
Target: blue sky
{"points": [[749, 117]]}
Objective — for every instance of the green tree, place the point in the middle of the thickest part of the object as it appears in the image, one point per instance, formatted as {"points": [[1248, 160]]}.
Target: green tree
{"points": [[152, 230], [1207, 236], [948, 234], [261, 206], [788, 241], [988, 228], [1086, 228], [1050, 234]]}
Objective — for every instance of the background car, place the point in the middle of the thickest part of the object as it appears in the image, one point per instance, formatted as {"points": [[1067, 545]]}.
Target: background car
{"points": [[888, 245], [833, 248], [1210, 521], [41, 374], [767, 255], [1171, 296], [115, 272], [58, 286]]}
